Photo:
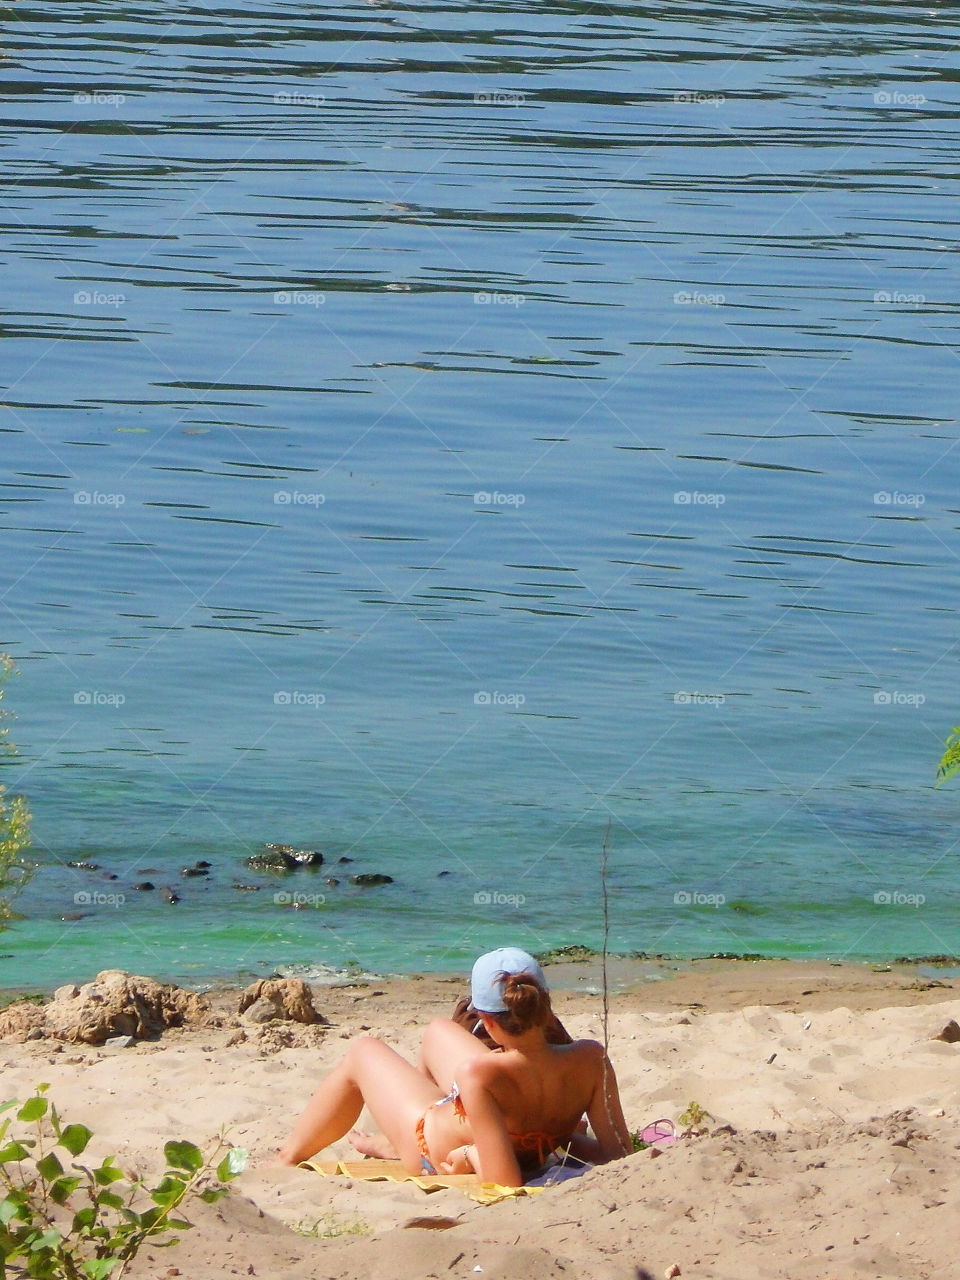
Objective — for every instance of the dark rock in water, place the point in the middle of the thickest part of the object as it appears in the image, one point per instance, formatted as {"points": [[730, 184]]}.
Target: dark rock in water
{"points": [[940, 959], [203, 863], [444, 873], [111, 876], [559, 954], [344, 859], [370, 878], [332, 881], [308, 857], [285, 858], [145, 886], [273, 860], [75, 915], [736, 955], [168, 895], [248, 888], [195, 871], [85, 866]]}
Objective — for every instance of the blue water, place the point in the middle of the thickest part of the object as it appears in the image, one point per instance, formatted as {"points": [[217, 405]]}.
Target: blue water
{"points": [[432, 432]]}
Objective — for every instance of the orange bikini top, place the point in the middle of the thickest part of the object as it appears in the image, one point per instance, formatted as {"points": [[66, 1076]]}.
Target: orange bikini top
{"points": [[537, 1142]]}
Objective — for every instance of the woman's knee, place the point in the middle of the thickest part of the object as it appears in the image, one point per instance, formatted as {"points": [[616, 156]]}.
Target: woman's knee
{"points": [[361, 1049], [437, 1029]]}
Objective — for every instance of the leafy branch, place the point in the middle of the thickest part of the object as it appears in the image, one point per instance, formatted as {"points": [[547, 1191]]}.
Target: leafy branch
{"points": [[49, 1237], [950, 760]]}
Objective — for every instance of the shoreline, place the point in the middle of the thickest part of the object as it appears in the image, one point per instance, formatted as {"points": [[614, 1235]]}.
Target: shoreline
{"points": [[710, 983]]}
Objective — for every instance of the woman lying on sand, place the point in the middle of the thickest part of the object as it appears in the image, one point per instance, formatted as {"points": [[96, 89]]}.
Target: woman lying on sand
{"points": [[498, 1113]]}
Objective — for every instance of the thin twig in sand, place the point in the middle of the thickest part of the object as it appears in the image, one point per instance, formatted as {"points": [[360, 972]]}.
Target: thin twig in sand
{"points": [[604, 857]]}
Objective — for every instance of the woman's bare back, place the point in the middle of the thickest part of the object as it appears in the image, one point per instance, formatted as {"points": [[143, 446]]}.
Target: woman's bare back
{"points": [[544, 1093]]}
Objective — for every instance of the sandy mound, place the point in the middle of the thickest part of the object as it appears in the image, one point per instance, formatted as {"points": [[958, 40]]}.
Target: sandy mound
{"points": [[877, 1199], [114, 1004]]}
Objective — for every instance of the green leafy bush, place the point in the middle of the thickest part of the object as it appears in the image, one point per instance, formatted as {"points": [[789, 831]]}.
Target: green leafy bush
{"points": [[950, 760], [81, 1223], [694, 1119]]}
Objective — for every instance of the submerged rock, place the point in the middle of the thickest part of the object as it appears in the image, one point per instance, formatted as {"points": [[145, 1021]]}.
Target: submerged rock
{"points": [[557, 955], [284, 857], [308, 857], [369, 878], [272, 860]]}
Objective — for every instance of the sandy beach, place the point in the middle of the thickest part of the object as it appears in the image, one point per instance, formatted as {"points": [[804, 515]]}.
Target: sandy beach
{"points": [[832, 1151]]}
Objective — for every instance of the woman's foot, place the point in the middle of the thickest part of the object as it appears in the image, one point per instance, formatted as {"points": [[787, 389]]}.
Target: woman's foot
{"points": [[372, 1144]]}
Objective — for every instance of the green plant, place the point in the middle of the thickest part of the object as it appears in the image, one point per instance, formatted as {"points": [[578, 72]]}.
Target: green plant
{"points": [[950, 760], [50, 1237], [14, 818], [694, 1119]]}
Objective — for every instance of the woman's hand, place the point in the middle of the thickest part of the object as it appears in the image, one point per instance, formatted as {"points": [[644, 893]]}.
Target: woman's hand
{"points": [[459, 1160]]}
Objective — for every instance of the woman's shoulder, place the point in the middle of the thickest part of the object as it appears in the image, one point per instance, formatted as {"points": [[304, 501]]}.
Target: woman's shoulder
{"points": [[583, 1055], [590, 1049]]}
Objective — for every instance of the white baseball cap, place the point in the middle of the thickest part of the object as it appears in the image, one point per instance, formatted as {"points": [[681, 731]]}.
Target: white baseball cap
{"points": [[486, 984]]}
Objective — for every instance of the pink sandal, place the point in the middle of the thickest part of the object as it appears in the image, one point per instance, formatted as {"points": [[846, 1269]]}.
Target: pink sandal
{"points": [[661, 1133]]}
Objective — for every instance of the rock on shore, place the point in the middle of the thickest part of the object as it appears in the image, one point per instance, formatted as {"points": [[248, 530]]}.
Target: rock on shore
{"points": [[114, 1004]]}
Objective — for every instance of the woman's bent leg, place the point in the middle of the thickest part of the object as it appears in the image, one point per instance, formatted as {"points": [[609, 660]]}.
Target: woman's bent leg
{"points": [[445, 1045], [371, 1073]]}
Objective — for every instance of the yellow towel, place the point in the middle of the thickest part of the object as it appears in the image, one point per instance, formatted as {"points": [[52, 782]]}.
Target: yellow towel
{"points": [[393, 1171]]}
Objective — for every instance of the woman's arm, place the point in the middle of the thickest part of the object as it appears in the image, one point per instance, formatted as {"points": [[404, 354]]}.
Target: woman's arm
{"points": [[492, 1153], [605, 1113], [582, 1147]]}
